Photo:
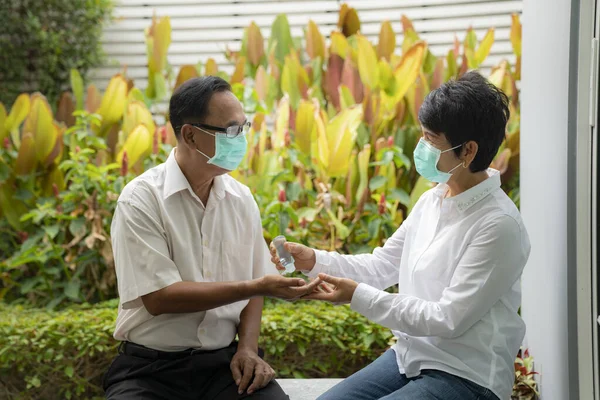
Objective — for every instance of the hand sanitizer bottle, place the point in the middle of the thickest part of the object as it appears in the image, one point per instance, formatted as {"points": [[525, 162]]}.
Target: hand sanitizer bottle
{"points": [[285, 257]]}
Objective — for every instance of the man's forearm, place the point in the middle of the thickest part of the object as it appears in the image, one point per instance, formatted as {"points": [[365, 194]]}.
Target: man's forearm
{"points": [[249, 328], [189, 297]]}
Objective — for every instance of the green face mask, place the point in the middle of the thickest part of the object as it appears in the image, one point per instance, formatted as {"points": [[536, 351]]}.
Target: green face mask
{"points": [[229, 152], [426, 160]]}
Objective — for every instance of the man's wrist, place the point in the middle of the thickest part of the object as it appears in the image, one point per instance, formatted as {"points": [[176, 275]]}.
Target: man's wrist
{"points": [[242, 346], [252, 288]]}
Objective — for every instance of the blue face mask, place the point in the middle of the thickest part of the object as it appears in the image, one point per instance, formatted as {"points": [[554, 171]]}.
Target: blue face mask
{"points": [[426, 160], [229, 152]]}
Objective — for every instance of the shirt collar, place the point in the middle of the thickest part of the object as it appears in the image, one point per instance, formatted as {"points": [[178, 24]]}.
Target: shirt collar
{"points": [[470, 197], [175, 181]]}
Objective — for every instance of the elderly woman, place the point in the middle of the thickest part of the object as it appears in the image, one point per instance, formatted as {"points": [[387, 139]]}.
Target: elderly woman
{"points": [[457, 260]]}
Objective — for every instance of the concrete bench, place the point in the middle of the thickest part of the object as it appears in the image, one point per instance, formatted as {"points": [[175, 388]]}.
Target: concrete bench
{"points": [[306, 389]]}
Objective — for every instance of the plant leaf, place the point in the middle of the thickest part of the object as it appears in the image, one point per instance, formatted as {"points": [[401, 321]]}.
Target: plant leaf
{"points": [[77, 88]]}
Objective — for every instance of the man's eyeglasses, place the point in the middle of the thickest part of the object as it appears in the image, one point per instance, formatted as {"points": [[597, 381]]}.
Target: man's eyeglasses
{"points": [[230, 131]]}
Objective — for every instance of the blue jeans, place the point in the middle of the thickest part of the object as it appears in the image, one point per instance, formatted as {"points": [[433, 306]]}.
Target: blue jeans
{"points": [[381, 380]]}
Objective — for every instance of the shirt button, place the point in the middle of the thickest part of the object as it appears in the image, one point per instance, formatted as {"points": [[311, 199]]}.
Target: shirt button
{"points": [[206, 242], [203, 331], [208, 274]]}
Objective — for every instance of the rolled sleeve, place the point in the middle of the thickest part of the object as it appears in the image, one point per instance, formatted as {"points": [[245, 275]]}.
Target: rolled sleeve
{"points": [[261, 258], [142, 260]]}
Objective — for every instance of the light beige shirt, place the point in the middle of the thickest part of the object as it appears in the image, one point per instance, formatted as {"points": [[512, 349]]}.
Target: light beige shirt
{"points": [[458, 263], [162, 234]]}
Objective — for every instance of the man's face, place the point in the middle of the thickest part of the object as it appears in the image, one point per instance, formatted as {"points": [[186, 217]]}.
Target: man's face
{"points": [[224, 110]]}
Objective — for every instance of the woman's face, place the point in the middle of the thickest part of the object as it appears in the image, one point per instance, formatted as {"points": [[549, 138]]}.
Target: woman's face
{"points": [[448, 160]]}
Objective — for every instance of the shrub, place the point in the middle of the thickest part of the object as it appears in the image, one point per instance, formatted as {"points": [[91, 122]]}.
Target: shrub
{"points": [[335, 172], [42, 41], [64, 354]]}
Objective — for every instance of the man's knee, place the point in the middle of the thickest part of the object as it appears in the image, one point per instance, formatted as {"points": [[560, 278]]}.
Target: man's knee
{"points": [[270, 392]]}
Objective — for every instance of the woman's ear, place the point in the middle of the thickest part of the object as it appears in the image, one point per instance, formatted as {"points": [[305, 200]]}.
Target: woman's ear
{"points": [[469, 152]]}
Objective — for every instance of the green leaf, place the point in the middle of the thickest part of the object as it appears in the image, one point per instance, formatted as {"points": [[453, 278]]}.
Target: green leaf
{"points": [[69, 371], [401, 196], [77, 87], [293, 191], [307, 213], [77, 226], [374, 226], [376, 182], [72, 289], [52, 230], [281, 37]]}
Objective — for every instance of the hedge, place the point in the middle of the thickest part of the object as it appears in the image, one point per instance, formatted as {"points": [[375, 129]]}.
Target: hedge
{"points": [[42, 41], [63, 354]]}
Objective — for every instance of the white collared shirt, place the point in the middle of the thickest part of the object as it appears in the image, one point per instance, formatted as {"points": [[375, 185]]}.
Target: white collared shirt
{"points": [[162, 233], [458, 264]]}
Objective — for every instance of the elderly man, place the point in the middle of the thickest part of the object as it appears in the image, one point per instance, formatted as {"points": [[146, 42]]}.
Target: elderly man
{"points": [[192, 265]]}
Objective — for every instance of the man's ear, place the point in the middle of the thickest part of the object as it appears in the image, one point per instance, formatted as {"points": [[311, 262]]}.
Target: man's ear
{"points": [[188, 135]]}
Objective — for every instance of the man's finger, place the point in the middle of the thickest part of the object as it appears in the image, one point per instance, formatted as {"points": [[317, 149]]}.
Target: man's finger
{"points": [[248, 372], [236, 371], [259, 382], [330, 279], [306, 288], [331, 297]]}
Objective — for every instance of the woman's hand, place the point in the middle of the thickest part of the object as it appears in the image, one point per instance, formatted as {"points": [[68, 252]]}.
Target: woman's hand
{"points": [[334, 290], [304, 257]]}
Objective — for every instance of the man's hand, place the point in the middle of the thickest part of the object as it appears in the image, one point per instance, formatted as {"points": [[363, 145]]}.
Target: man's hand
{"points": [[334, 290], [304, 257], [285, 288], [246, 365]]}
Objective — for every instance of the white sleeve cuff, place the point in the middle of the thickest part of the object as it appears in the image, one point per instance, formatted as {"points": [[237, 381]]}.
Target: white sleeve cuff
{"points": [[363, 297], [322, 261]]}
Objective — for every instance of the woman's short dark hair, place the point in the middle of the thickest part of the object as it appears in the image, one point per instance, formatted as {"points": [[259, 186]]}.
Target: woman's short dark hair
{"points": [[465, 109], [190, 100]]}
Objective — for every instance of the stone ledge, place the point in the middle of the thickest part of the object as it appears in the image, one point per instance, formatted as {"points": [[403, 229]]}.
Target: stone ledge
{"points": [[306, 389]]}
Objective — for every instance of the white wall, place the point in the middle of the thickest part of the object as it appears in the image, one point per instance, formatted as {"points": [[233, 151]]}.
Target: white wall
{"points": [[544, 111], [204, 28]]}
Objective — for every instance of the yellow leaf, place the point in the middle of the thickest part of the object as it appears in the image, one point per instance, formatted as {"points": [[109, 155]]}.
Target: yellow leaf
{"points": [[54, 177], [305, 122], [387, 80], [26, 159], [484, 47], [238, 74], [348, 20], [346, 98], [160, 35], [3, 130], [408, 70], [261, 83], [407, 24], [497, 75], [515, 34], [56, 153], [92, 99], [114, 100], [137, 113], [387, 41], [137, 145], [363, 170], [339, 44], [341, 136], [211, 67], [11, 208], [315, 44], [282, 124], [186, 72], [391, 176], [367, 63], [322, 144], [39, 123], [255, 45], [18, 113]]}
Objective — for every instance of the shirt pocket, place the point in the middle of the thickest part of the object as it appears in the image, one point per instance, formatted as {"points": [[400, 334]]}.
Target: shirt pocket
{"points": [[236, 261]]}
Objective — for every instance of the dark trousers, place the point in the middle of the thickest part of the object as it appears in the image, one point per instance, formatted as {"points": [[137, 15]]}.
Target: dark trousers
{"points": [[142, 373]]}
